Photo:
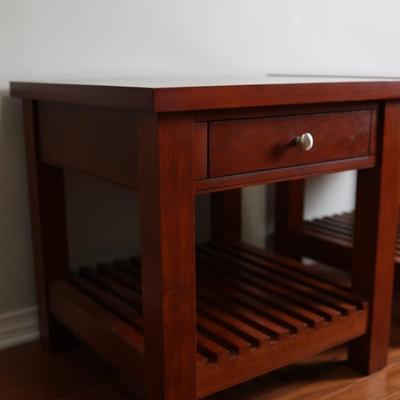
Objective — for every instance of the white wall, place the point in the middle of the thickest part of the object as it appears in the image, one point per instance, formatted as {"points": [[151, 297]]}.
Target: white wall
{"points": [[50, 39]]}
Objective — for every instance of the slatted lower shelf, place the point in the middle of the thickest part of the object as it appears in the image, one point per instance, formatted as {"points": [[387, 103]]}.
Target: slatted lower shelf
{"points": [[330, 239], [255, 312]]}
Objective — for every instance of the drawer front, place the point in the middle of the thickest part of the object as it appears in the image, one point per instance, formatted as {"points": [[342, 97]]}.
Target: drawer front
{"points": [[249, 145]]}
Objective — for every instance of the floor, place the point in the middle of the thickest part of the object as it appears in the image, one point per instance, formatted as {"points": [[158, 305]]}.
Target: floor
{"points": [[29, 373]]}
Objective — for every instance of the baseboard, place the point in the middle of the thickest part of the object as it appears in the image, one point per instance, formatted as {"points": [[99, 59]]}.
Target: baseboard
{"points": [[18, 327]]}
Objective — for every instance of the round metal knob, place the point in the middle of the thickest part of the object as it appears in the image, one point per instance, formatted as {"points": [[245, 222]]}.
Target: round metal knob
{"points": [[305, 141]]}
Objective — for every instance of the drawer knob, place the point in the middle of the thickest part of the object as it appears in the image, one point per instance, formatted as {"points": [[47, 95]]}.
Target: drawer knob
{"points": [[305, 141]]}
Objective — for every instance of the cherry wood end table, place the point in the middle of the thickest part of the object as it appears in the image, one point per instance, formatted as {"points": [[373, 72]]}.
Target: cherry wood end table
{"points": [[185, 320]]}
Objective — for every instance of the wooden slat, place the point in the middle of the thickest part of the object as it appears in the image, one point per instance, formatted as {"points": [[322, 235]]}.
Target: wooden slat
{"points": [[235, 343], [340, 242], [290, 291], [111, 337], [120, 290], [346, 217], [322, 228], [337, 229], [281, 303], [115, 305], [220, 353], [276, 329], [249, 335], [303, 288], [342, 226], [121, 276], [201, 359], [339, 223], [298, 271], [238, 318], [205, 354], [239, 369], [249, 302]]}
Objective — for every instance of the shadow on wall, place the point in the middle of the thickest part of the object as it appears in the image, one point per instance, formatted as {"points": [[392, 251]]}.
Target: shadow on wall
{"points": [[103, 220]]}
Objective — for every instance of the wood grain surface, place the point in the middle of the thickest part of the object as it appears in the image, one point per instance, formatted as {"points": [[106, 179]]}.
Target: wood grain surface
{"points": [[29, 373]]}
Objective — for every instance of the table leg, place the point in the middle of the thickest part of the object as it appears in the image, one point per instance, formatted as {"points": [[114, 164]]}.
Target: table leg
{"points": [[289, 208], [374, 244], [226, 215], [48, 225], [166, 192]]}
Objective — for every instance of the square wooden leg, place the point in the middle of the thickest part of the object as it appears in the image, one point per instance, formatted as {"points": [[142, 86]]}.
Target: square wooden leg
{"points": [[168, 256], [289, 209], [374, 244], [226, 215], [48, 223]]}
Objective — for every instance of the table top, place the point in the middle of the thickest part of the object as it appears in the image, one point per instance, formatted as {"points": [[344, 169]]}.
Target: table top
{"points": [[170, 94]]}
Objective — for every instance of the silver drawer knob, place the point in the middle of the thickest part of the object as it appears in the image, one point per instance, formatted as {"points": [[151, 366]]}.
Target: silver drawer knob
{"points": [[305, 141]]}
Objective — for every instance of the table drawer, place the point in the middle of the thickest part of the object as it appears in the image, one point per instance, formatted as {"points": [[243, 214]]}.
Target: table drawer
{"points": [[248, 145]]}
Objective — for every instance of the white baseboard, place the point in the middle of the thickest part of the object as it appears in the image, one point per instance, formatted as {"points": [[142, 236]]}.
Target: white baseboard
{"points": [[18, 327]]}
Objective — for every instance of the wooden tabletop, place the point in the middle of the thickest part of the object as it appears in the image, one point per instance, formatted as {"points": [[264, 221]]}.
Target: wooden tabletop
{"points": [[189, 94]]}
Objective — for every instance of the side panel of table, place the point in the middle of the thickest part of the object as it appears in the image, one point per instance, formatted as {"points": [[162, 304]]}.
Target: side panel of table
{"points": [[102, 142]]}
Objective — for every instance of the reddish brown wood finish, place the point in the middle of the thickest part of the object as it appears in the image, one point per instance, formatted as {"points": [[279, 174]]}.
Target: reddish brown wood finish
{"points": [[67, 134], [330, 240], [48, 225], [289, 199], [226, 215], [308, 243], [110, 337], [282, 111], [253, 309], [298, 238], [171, 99], [201, 149], [281, 174], [166, 178], [239, 289], [240, 146], [219, 97], [374, 244], [315, 240]]}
